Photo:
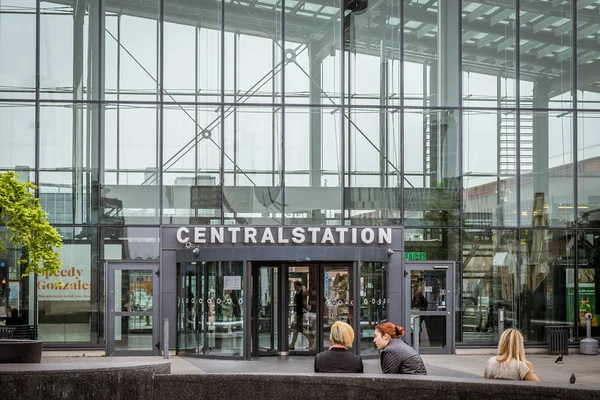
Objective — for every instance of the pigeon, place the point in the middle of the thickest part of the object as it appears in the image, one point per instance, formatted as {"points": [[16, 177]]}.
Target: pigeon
{"points": [[559, 359], [573, 379]]}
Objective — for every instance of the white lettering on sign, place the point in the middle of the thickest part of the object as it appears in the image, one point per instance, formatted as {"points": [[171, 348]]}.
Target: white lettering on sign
{"points": [[281, 235]]}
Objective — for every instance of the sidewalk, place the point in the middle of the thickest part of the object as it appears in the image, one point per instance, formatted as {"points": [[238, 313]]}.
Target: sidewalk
{"points": [[585, 368]]}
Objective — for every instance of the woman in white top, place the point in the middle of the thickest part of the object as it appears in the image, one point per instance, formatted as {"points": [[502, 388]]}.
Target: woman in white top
{"points": [[510, 363]]}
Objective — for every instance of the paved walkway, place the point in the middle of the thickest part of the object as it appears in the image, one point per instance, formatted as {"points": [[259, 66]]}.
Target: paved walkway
{"points": [[585, 368]]}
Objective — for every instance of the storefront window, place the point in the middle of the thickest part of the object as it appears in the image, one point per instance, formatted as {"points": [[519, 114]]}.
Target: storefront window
{"points": [[373, 303], [68, 301]]}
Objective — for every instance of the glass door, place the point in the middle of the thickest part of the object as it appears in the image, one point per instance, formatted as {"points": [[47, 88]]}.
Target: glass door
{"points": [[192, 325], [211, 311], [133, 318], [265, 311], [302, 309], [429, 296], [338, 298]]}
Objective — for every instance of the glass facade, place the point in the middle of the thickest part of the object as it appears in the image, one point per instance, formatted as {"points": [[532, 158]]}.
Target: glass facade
{"points": [[470, 123]]}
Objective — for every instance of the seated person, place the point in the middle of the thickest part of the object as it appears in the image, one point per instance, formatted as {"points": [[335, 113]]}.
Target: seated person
{"points": [[14, 318]]}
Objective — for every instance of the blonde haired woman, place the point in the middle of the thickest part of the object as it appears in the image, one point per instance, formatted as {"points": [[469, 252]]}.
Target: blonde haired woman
{"points": [[338, 358], [510, 363]]}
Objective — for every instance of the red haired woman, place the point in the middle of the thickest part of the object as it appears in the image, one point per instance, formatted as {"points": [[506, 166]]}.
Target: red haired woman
{"points": [[396, 357]]}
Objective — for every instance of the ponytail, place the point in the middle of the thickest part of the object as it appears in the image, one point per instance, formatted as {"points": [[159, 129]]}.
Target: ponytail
{"points": [[394, 331], [399, 330]]}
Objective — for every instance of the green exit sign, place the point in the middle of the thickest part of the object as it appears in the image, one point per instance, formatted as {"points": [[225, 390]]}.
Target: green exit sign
{"points": [[415, 256]]}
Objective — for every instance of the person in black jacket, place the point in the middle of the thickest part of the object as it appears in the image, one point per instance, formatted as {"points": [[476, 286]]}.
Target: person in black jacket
{"points": [[298, 322], [396, 357], [338, 358]]}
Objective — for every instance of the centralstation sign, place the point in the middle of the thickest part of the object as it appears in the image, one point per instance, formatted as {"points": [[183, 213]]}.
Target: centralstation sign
{"points": [[283, 235]]}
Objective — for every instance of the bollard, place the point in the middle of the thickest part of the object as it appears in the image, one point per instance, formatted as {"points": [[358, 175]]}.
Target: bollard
{"points": [[416, 333], [500, 322], [166, 339]]}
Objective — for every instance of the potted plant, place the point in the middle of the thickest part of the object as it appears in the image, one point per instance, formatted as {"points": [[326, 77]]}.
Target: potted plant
{"points": [[23, 223]]}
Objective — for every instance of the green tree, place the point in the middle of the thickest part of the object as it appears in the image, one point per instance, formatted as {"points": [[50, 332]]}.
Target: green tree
{"points": [[26, 225]]}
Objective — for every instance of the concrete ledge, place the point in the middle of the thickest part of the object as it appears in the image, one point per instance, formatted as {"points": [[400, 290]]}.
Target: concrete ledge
{"points": [[354, 386], [50, 381]]}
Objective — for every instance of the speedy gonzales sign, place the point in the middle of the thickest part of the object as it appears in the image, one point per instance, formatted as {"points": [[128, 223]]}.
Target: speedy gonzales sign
{"points": [[72, 281]]}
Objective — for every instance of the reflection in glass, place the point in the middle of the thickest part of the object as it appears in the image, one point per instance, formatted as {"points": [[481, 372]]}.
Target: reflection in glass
{"points": [[266, 297], [489, 177], [488, 31], [547, 195], [339, 301], [588, 31], [133, 332], [434, 82], [373, 304], [546, 54], [210, 308], [431, 330], [431, 195]]}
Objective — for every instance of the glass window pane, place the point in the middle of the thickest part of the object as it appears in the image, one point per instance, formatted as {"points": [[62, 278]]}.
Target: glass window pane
{"points": [[488, 53], [588, 284], [253, 192], [428, 27], [17, 135], [225, 311], [130, 183], [431, 177], [17, 49], [488, 255], [373, 59], [253, 55], [588, 35], [69, 52], [312, 166], [547, 191], [489, 177], [131, 59], [373, 304], [68, 311], [191, 165], [373, 165], [588, 175], [546, 54], [312, 53], [537, 292], [129, 243], [69, 162], [192, 53]]}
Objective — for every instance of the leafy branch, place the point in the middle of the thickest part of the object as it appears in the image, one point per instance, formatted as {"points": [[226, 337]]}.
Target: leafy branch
{"points": [[26, 225]]}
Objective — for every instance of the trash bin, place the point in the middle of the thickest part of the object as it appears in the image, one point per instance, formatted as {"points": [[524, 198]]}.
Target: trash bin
{"points": [[558, 339]]}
